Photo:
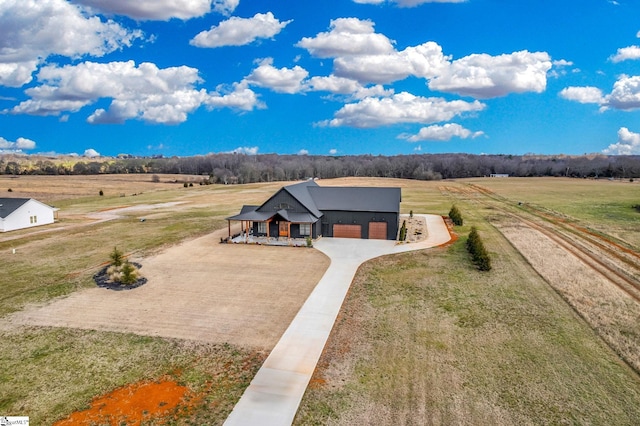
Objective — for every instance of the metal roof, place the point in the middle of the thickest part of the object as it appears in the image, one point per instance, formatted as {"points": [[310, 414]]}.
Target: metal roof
{"points": [[251, 214], [9, 205], [360, 199], [301, 192], [317, 199]]}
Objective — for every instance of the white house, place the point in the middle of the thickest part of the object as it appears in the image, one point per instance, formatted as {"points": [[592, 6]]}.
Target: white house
{"points": [[20, 213]]}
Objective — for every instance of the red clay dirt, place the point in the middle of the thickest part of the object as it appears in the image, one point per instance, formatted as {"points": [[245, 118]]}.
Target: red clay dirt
{"points": [[132, 404]]}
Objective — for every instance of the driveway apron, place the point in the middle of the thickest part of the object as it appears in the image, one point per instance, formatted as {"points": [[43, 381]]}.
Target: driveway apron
{"points": [[275, 392]]}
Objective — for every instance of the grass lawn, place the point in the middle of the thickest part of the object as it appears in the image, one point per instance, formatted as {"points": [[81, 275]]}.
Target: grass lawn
{"points": [[426, 339], [423, 338], [47, 373], [605, 205]]}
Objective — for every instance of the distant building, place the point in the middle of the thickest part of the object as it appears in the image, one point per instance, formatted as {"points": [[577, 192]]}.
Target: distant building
{"points": [[308, 210], [499, 175], [21, 213]]}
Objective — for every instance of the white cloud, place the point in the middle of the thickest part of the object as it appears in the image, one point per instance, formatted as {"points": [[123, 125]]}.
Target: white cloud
{"points": [[303, 152], [424, 61], [282, 80], [560, 68], [625, 94], [365, 56], [19, 145], [91, 153], [345, 86], [626, 53], [443, 133], [162, 10], [584, 95], [152, 9], [400, 108], [225, 7], [240, 98], [144, 92], [333, 151], [348, 36], [628, 143], [32, 30], [485, 76], [253, 150], [240, 31]]}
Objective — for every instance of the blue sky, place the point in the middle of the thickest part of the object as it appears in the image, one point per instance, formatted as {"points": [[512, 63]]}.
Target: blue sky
{"points": [[329, 77]]}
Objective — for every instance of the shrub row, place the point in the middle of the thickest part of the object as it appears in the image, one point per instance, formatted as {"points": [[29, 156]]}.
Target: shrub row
{"points": [[479, 254]]}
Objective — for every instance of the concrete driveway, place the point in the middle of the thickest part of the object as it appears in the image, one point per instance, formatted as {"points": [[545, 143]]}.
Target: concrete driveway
{"points": [[275, 393]]}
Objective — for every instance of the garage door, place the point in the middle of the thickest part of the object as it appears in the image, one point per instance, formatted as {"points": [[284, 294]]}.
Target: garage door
{"points": [[377, 230], [347, 231]]}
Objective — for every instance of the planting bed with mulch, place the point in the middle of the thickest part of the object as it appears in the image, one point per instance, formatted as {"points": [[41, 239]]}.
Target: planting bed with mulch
{"points": [[102, 280]]}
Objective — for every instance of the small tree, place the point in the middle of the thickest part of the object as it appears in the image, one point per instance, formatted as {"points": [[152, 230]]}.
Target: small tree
{"points": [[116, 257], [479, 254], [410, 214], [403, 231], [101, 193], [129, 274], [456, 216]]}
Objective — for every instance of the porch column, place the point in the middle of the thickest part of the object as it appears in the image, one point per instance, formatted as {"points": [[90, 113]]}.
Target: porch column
{"points": [[289, 230], [246, 235], [268, 226], [229, 224]]}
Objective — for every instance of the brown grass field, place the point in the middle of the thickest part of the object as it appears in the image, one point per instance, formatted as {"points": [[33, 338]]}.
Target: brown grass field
{"points": [[423, 338]]}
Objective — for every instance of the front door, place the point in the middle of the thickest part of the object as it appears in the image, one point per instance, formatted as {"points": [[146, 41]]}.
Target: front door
{"points": [[283, 228]]}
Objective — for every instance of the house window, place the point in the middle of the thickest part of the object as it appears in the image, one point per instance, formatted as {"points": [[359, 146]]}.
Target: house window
{"points": [[284, 206], [305, 229], [262, 227], [33, 219]]}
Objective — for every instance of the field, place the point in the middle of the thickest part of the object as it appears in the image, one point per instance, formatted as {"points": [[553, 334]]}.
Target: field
{"points": [[423, 337]]}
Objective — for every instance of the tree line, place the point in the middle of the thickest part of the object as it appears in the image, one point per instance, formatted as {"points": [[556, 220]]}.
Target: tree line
{"points": [[241, 168]]}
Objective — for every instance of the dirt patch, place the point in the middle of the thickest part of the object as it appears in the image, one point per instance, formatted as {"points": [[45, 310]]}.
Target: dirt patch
{"points": [[132, 405], [450, 228], [200, 290]]}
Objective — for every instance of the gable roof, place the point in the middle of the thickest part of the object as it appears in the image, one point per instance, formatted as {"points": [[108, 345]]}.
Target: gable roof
{"points": [[250, 213], [301, 192], [316, 199], [9, 205]]}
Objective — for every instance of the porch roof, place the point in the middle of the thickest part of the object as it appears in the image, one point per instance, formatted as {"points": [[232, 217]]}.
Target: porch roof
{"points": [[251, 214]]}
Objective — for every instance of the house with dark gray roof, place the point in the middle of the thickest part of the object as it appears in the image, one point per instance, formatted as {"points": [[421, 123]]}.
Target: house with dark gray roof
{"points": [[20, 213], [308, 210]]}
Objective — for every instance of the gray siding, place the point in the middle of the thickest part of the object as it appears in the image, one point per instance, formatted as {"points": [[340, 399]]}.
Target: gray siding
{"points": [[331, 218], [282, 197]]}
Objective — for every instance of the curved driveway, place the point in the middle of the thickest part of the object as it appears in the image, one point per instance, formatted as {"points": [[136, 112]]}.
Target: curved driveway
{"points": [[275, 392]]}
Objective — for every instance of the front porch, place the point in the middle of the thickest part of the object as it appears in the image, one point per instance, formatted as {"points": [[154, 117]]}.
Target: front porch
{"points": [[243, 238]]}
